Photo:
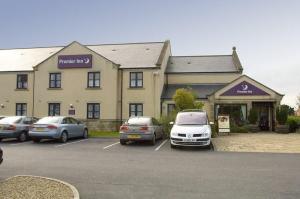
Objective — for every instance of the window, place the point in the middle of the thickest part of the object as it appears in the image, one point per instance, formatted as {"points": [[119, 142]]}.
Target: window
{"points": [[237, 112], [22, 81], [21, 109], [136, 79], [135, 109], [93, 79], [54, 109], [54, 80], [93, 110], [171, 108]]}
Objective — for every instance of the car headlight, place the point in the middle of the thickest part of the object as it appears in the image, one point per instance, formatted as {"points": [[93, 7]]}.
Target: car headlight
{"points": [[174, 134]]}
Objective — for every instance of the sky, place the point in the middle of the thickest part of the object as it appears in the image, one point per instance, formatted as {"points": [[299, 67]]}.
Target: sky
{"points": [[266, 33]]}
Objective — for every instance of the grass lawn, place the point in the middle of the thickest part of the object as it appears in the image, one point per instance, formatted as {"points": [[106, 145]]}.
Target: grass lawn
{"points": [[94, 134]]}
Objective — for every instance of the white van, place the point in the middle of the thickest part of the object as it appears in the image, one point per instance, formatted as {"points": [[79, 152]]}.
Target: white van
{"points": [[191, 128]]}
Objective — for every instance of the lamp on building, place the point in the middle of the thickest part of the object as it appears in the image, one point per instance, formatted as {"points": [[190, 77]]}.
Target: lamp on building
{"points": [[71, 106], [2, 105]]}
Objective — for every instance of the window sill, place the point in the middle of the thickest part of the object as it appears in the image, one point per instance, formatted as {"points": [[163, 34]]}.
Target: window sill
{"points": [[54, 88], [91, 119], [21, 89], [136, 88], [93, 88]]}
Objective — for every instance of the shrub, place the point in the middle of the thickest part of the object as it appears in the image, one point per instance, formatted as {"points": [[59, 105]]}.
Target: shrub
{"points": [[214, 130], [165, 122], [238, 129], [281, 115], [253, 116], [293, 122]]}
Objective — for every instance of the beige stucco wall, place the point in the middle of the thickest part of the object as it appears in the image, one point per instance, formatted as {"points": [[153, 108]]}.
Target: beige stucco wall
{"points": [[149, 95], [9, 95], [204, 78], [74, 86]]}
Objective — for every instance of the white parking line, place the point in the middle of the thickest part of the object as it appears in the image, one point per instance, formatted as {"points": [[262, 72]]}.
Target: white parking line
{"points": [[18, 143], [106, 147], [70, 143], [157, 148]]}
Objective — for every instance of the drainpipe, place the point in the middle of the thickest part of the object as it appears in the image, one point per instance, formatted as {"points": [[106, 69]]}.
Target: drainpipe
{"points": [[121, 101], [33, 89]]}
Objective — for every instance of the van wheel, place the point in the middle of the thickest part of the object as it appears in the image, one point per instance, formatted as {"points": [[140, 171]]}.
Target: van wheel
{"points": [[22, 137], [63, 137], [122, 142], [153, 141]]}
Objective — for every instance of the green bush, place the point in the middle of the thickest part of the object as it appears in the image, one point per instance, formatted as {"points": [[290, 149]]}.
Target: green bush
{"points": [[293, 122], [253, 116], [238, 129], [281, 115], [214, 130], [165, 122]]}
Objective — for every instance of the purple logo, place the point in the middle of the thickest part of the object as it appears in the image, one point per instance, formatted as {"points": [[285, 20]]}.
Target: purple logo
{"points": [[74, 61], [244, 88]]}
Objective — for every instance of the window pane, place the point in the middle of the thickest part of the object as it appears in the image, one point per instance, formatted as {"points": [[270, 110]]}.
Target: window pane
{"points": [[139, 75], [139, 83], [139, 107], [97, 75], [58, 84], [132, 83], [97, 83], [91, 76], [132, 76], [91, 83], [58, 77], [52, 76]]}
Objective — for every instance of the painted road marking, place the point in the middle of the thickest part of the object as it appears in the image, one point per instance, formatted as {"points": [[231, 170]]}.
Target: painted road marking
{"points": [[19, 143], [106, 147], [70, 143], [164, 142]]}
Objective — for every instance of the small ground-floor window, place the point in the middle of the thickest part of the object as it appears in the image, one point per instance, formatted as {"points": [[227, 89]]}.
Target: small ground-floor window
{"points": [[21, 109], [54, 109], [135, 109], [93, 110], [236, 112]]}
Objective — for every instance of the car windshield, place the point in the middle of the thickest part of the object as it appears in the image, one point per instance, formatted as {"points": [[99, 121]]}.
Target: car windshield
{"points": [[191, 118], [139, 121], [49, 120], [11, 120]]}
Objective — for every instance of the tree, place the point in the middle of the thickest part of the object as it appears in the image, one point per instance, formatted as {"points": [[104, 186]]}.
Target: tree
{"points": [[185, 99], [298, 100], [288, 109]]}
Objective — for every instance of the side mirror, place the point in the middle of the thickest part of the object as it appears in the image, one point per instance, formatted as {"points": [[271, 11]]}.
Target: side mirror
{"points": [[171, 123], [211, 123]]}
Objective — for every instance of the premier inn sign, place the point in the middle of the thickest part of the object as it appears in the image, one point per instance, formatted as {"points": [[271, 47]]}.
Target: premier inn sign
{"points": [[244, 89], [74, 61]]}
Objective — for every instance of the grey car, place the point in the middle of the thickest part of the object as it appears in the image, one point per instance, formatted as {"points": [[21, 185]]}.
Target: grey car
{"points": [[58, 127], [141, 129], [16, 127]]}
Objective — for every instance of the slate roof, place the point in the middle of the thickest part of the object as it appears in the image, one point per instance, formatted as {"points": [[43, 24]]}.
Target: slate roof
{"points": [[201, 64], [131, 55], [202, 90]]}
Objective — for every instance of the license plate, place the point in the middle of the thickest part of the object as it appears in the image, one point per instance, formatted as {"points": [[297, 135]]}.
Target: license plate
{"points": [[39, 129], [133, 136], [190, 140]]}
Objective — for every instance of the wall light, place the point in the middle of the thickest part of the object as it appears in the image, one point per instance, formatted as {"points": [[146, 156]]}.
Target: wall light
{"points": [[2, 105]]}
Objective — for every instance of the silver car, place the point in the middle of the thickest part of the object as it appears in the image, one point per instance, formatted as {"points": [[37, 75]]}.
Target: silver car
{"points": [[16, 127], [59, 128], [141, 129]]}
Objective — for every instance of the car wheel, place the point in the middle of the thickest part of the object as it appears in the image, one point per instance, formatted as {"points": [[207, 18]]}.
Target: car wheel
{"points": [[22, 137], [0, 139], [153, 141], [85, 134], [64, 137], [122, 142], [36, 140]]}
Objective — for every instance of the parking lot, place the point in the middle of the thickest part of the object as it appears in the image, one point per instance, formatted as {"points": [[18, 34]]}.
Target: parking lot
{"points": [[102, 168]]}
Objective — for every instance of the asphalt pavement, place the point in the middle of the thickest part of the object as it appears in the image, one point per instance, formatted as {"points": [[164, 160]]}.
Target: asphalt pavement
{"points": [[102, 168]]}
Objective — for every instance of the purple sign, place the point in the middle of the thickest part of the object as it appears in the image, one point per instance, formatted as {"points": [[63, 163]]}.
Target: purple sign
{"points": [[74, 61], [244, 88]]}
